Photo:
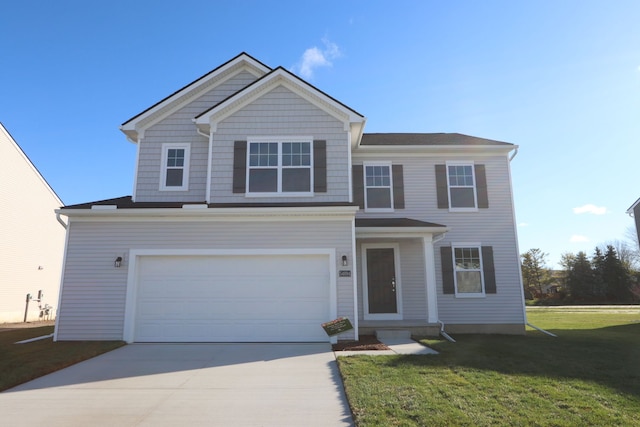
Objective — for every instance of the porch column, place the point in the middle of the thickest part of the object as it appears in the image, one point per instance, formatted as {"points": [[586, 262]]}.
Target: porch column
{"points": [[430, 279]]}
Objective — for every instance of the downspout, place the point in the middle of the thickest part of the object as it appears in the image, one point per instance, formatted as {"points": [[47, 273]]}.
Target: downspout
{"points": [[542, 330], [64, 225], [515, 153], [443, 333]]}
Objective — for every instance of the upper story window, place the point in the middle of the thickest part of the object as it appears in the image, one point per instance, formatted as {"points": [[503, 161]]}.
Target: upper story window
{"points": [[468, 271], [278, 166], [462, 187], [378, 187], [175, 167]]}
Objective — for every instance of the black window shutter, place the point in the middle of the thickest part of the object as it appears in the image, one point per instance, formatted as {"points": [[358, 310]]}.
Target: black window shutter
{"points": [[358, 185], [481, 187], [239, 166], [489, 270], [448, 286], [442, 188], [320, 166], [398, 186]]}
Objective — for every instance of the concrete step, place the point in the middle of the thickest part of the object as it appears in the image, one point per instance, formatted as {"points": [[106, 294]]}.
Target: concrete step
{"points": [[392, 334]]}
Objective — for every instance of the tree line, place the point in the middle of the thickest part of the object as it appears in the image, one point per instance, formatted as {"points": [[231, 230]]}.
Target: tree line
{"points": [[610, 275]]}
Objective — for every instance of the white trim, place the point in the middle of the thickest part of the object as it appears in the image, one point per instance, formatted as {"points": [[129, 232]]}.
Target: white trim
{"points": [[209, 169], [135, 172], [280, 140], [463, 245], [185, 168], [350, 167], [354, 273], [364, 178], [135, 254], [475, 185], [365, 284], [430, 279]]}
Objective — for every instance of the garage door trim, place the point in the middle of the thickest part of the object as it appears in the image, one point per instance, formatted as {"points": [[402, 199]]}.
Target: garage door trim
{"points": [[135, 254]]}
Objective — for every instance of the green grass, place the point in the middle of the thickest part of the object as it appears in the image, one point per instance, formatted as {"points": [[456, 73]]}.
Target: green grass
{"points": [[589, 375], [20, 363]]}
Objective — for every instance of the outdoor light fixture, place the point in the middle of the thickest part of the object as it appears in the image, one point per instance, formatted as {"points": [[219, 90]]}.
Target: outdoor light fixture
{"points": [[344, 261], [118, 262]]}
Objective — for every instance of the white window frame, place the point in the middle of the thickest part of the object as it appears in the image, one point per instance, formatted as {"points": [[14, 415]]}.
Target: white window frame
{"points": [[475, 187], [366, 197], [279, 140], [185, 168], [477, 246]]}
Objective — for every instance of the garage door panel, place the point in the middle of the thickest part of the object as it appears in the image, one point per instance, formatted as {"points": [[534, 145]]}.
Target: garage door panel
{"points": [[232, 298]]}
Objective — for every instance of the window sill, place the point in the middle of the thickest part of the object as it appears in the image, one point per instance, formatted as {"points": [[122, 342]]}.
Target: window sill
{"points": [[257, 195], [379, 210], [463, 209], [471, 295], [173, 189]]}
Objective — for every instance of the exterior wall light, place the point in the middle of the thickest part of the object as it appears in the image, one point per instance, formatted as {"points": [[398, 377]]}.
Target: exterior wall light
{"points": [[118, 262], [345, 261]]}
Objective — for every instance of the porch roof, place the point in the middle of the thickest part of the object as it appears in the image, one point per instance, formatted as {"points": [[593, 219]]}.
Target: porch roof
{"points": [[396, 227]]}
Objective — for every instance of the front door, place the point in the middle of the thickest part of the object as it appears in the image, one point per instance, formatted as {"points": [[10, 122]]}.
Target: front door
{"points": [[382, 284]]}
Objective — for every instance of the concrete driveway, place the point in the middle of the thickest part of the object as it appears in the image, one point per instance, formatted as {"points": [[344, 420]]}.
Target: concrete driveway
{"points": [[187, 385]]}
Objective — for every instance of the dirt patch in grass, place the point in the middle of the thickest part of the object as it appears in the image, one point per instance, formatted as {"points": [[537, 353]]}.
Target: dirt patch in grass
{"points": [[366, 342]]}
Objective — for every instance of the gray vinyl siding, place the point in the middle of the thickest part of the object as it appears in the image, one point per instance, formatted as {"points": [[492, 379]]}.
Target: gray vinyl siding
{"points": [[179, 128], [493, 226], [280, 112], [412, 278], [94, 291]]}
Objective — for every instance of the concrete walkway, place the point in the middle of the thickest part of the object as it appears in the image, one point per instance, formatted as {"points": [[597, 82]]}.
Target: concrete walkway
{"points": [[404, 346], [187, 385]]}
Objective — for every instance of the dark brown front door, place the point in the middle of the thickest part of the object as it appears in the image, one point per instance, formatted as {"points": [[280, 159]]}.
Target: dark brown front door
{"points": [[381, 280]]}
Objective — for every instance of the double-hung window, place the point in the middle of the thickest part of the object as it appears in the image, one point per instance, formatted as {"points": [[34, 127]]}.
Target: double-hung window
{"points": [[467, 264], [281, 166], [462, 186], [378, 187], [175, 167]]}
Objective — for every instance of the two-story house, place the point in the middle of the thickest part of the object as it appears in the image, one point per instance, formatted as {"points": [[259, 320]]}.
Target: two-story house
{"points": [[260, 210]]}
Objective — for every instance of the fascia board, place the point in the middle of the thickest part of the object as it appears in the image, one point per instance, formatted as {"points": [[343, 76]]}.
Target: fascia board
{"points": [[400, 232], [277, 78], [179, 99], [263, 213], [431, 150]]}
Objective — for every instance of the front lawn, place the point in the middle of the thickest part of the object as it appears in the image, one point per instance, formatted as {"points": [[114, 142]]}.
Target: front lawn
{"points": [[20, 363], [589, 375]]}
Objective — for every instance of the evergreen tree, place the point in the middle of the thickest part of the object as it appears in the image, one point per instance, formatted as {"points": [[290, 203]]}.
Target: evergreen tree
{"points": [[580, 278], [598, 289], [535, 274], [616, 276]]}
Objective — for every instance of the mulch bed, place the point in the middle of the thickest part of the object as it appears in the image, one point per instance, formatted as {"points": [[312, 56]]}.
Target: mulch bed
{"points": [[366, 342]]}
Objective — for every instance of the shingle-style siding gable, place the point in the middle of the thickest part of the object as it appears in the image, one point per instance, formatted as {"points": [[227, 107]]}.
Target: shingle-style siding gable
{"points": [[179, 128], [281, 112]]}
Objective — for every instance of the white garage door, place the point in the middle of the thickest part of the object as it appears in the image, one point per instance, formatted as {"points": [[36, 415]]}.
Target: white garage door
{"points": [[268, 298]]}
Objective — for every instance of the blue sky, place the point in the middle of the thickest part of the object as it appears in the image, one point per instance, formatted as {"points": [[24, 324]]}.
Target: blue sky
{"points": [[561, 79]]}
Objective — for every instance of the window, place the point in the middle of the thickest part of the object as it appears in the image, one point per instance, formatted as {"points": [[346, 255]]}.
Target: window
{"points": [[280, 166], [175, 167], [462, 189], [378, 187], [468, 270]]}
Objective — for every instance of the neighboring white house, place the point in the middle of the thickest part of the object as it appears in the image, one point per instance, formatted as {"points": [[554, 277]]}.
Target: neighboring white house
{"points": [[261, 209], [32, 240]]}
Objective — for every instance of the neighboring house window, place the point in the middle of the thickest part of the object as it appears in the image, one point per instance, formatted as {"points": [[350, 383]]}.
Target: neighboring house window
{"points": [[461, 186], [378, 187], [468, 270], [175, 167], [280, 166]]}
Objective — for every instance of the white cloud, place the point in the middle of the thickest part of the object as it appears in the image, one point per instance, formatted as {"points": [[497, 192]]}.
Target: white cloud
{"points": [[576, 238], [523, 224], [589, 208], [315, 57]]}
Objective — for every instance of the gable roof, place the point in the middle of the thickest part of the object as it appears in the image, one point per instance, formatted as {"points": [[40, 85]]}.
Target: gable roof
{"points": [[138, 123], [281, 77], [5, 135], [632, 207]]}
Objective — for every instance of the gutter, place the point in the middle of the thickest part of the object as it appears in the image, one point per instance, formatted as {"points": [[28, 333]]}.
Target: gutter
{"points": [[515, 153], [64, 225]]}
